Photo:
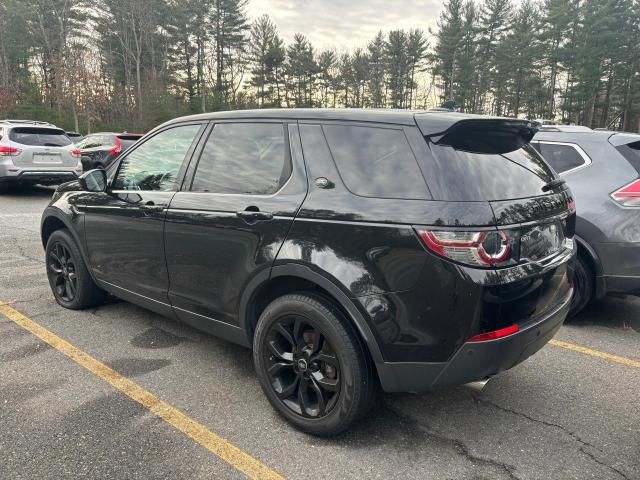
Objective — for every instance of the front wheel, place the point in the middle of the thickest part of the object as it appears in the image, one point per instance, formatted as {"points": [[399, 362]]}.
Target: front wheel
{"points": [[312, 365], [70, 282]]}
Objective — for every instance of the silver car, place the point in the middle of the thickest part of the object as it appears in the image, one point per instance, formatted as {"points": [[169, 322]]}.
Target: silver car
{"points": [[36, 152]]}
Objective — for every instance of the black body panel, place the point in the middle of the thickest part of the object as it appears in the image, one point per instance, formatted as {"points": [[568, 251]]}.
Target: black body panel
{"points": [[212, 252]]}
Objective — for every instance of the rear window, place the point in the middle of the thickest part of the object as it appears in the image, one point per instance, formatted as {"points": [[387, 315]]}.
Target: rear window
{"points": [[456, 175], [631, 151], [376, 162], [44, 137], [127, 140]]}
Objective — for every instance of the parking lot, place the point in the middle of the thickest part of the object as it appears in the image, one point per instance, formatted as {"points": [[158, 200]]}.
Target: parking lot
{"points": [[173, 396]]}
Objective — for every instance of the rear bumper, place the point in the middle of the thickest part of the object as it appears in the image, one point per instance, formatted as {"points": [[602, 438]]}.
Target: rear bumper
{"points": [[41, 177], [477, 360]]}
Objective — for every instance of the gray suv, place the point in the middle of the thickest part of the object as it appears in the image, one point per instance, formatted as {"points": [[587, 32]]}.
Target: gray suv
{"points": [[602, 170], [36, 152]]}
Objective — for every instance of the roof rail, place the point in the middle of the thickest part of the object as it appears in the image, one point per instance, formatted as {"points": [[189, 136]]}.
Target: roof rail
{"points": [[565, 128], [28, 122]]}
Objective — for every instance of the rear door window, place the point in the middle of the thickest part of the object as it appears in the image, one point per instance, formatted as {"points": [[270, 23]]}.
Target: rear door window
{"points": [[457, 175], [43, 137], [563, 157], [376, 162], [243, 158]]}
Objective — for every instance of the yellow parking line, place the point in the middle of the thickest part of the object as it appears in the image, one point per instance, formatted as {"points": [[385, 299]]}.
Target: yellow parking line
{"points": [[596, 353], [228, 452]]}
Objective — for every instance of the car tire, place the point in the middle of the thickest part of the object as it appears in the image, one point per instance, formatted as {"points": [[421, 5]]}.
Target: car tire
{"points": [[69, 279], [98, 166], [311, 364], [583, 284]]}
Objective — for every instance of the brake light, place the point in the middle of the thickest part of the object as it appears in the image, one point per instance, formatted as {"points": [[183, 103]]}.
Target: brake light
{"points": [[76, 153], [477, 249], [629, 195], [495, 334], [8, 151], [117, 148]]}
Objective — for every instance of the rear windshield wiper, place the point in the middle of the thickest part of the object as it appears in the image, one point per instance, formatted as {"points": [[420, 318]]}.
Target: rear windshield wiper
{"points": [[553, 184], [52, 145]]}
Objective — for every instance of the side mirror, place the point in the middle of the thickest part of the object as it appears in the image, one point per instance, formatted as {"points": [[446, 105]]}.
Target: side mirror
{"points": [[94, 181]]}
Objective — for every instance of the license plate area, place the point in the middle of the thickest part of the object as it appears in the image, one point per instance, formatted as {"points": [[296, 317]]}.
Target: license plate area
{"points": [[47, 159], [538, 242]]}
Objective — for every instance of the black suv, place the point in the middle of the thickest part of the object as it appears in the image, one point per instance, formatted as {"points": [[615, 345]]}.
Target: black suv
{"points": [[348, 248]]}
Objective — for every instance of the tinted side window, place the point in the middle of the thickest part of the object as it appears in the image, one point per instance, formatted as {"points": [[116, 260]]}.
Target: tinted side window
{"points": [[631, 152], [243, 158], [376, 162], [561, 157], [154, 165]]}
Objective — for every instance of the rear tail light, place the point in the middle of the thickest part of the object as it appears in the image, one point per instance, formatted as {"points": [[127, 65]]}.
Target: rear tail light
{"points": [[495, 334], [8, 151], [629, 195], [477, 249], [117, 148], [76, 153]]}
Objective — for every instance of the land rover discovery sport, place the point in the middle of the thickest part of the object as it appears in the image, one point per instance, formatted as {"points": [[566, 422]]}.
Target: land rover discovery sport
{"points": [[348, 248]]}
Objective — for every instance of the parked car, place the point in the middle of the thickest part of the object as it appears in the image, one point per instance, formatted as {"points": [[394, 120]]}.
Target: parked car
{"points": [[75, 137], [35, 152], [602, 169], [99, 150], [346, 247]]}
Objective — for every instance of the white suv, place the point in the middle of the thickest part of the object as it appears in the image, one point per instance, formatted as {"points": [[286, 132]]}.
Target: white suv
{"points": [[36, 152]]}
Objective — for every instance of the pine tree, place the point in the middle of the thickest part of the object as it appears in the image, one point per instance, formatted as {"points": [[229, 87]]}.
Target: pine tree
{"points": [[229, 28], [263, 32], [377, 70], [447, 48], [398, 66], [494, 22]]}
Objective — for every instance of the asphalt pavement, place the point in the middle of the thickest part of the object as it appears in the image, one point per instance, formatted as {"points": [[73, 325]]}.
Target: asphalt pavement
{"points": [[566, 413]]}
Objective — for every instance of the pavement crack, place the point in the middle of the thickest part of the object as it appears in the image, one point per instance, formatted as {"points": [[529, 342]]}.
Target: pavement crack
{"points": [[458, 445], [572, 434]]}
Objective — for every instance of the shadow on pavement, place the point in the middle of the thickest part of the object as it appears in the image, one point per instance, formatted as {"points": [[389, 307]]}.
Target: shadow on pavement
{"points": [[613, 312]]}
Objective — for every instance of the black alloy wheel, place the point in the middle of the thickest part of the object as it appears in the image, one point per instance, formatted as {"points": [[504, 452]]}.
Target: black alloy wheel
{"points": [[302, 366], [312, 365], [62, 272], [70, 281]]}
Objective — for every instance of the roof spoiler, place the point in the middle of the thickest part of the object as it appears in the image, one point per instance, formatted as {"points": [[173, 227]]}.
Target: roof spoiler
{"points": [[476, 133]]}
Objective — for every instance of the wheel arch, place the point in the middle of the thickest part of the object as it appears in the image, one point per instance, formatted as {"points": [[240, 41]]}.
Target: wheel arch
{"points": [[55, 219], [283, 279]]}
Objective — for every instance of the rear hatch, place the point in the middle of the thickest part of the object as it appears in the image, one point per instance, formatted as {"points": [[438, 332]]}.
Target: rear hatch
{"points": [[485, 159], [42, 147], [128, 139]]}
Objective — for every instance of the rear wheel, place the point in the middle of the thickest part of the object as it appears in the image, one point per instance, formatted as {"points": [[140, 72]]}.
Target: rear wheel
{"points": [[311, 364], [583, 284], [70, 282]]}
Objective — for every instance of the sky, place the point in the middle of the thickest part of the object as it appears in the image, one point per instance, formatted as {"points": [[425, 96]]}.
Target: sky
{"points": [[344, 24]]}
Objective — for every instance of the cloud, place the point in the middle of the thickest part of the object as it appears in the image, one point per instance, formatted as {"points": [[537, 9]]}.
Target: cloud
{"points": [[345, 24]]}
